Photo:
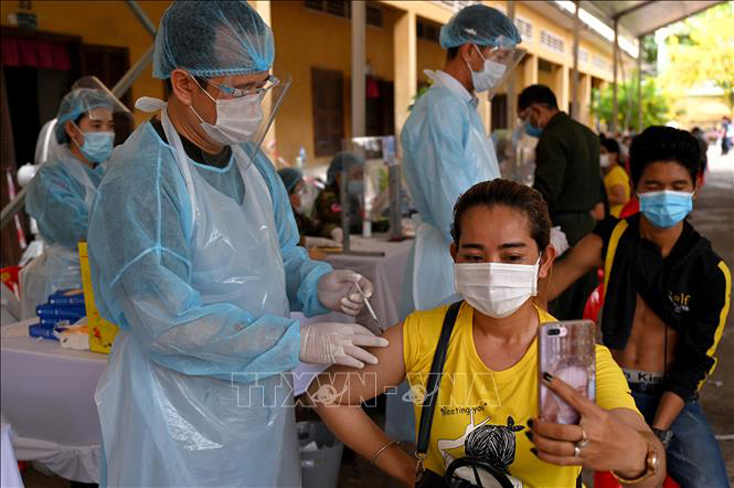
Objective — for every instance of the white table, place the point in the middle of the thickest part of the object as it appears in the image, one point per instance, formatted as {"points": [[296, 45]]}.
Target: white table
{"points": [[9, 473], [47, 395], [386, 273], [48, 392]]}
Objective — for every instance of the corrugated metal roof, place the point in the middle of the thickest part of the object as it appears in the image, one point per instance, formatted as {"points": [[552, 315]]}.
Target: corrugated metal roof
{"points": [[641, 17]]}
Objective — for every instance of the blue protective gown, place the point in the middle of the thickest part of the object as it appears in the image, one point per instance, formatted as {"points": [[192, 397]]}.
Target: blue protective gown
{"points": [[445, 152], [199, 266], [58, 199]]}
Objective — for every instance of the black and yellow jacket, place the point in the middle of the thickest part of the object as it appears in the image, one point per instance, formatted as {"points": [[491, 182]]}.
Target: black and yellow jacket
{"points": [[690, 291]]}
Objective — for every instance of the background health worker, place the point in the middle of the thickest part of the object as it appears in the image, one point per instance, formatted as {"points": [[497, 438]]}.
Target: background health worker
{"points": [[194, 254], [62, 191], [445, 152]]}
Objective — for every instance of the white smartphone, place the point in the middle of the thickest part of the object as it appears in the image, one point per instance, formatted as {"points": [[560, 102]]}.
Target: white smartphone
{"points": [[567, 351]]}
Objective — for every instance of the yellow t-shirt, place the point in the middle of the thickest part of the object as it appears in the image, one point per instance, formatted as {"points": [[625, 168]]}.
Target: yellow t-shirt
{"points": [[501, 402], [617, 176]]}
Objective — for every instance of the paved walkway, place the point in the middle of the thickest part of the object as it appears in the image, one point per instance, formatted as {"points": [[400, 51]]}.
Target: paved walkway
{"points": [[713, 216]]}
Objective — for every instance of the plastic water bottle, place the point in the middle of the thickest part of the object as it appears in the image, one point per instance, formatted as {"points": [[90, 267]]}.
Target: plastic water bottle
{"points": [[301, 158]]}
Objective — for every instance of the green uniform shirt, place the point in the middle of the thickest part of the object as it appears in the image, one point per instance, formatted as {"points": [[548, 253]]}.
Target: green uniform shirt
{"points": [[567, 170]]}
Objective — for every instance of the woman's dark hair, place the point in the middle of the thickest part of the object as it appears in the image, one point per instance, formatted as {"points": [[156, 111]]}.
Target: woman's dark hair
{"points": [[658, 143], [67, 139], [611, 145], [510, 194]]}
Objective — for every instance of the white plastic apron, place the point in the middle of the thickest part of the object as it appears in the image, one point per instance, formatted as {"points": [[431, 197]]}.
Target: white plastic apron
{"points": [[57, 268], [202, 431], [433, 268]]}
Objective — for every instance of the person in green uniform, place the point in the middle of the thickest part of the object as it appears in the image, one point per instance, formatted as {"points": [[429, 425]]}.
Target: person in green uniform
{"points": [[328, 208], [568, 176]]}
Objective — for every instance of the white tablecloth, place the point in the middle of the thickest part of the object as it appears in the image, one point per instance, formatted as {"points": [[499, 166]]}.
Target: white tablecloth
{"points": [[47, 392], [386, 273], [9, 473], [47, 395]]}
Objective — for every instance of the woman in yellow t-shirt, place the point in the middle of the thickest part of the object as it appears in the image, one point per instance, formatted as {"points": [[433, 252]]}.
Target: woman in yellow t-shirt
{"points": [[616, 179], [487, 404]]}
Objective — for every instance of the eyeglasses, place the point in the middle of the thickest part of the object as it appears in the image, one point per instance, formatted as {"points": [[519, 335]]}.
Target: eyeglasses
{"points": [[261, 89]]}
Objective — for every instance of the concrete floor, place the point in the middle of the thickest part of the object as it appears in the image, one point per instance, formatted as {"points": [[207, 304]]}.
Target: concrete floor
{"points": [[713, 216]]}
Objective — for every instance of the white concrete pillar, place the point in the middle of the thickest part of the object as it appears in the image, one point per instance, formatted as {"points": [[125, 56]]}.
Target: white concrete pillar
{"points": [[359, 61], [615, 101], [562, 86], [639, 87], [406, 67], [511, 89], [262, 7], [575, 109], [531, 70]]}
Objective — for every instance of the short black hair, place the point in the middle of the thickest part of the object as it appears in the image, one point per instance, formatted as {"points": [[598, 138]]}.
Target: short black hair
{"points": [[611, 145], [510, 194], [539, 94], [659, 143], [203, 83], [452, 52]]}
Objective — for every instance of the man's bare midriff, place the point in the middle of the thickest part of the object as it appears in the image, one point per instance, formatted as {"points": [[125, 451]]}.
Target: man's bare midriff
{"points": [[646, 345]]}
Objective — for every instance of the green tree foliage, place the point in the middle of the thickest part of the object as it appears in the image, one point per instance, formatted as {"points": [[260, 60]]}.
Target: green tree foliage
{"points": [[704, 52], [654, 104]]}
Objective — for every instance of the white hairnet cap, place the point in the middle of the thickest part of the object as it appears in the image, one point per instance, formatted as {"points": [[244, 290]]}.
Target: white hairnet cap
{"points": [[212, 38], [76, 103], [481, 25]]}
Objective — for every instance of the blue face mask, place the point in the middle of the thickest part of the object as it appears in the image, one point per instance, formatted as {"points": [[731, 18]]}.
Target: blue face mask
{"points": [[665, 208], [97, 146], [532, 130]]}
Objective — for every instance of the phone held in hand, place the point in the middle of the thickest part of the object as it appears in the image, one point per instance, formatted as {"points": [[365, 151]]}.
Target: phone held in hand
{"points": [[567, 351]]}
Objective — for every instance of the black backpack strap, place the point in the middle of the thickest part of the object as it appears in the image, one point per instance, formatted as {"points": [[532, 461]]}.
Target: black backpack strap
{"points": [[434, 380]]}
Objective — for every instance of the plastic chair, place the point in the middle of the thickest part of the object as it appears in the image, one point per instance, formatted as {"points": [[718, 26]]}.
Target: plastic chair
{"points": [[630, 208]]}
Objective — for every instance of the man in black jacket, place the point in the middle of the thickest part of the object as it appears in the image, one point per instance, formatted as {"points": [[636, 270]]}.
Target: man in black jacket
{"points": [[667, 297], [567, 174]]}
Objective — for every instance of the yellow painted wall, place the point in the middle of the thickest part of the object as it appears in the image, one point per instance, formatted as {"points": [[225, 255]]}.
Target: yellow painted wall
{"points": [[110, 23], [430, 55], [548, 79], [306, 39]]}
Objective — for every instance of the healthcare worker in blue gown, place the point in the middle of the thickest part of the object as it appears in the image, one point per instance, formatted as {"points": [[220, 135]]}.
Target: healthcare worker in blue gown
{"points": [[446, 151], [194, 254], [61, 193]]}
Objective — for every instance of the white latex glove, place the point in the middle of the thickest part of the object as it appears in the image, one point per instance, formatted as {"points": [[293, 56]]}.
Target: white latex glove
{"points": [[321, 242], [337, 291], [333, 343], [559, 241], [338, 235]]}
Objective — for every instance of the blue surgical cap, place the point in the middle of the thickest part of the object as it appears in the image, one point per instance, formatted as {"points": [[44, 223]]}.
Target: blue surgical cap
{"points": [[481, 25], [77, 103], [212, 38], [290, 177], [341, 161]]}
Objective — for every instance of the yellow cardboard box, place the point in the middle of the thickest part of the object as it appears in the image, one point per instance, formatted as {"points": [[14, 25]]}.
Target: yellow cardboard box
{"points": [[101, 332]]}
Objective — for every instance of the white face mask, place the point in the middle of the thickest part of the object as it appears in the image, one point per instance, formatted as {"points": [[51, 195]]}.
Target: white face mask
{"points": [[238, 119], [496, 289], [489, 76], [604, 160]]}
